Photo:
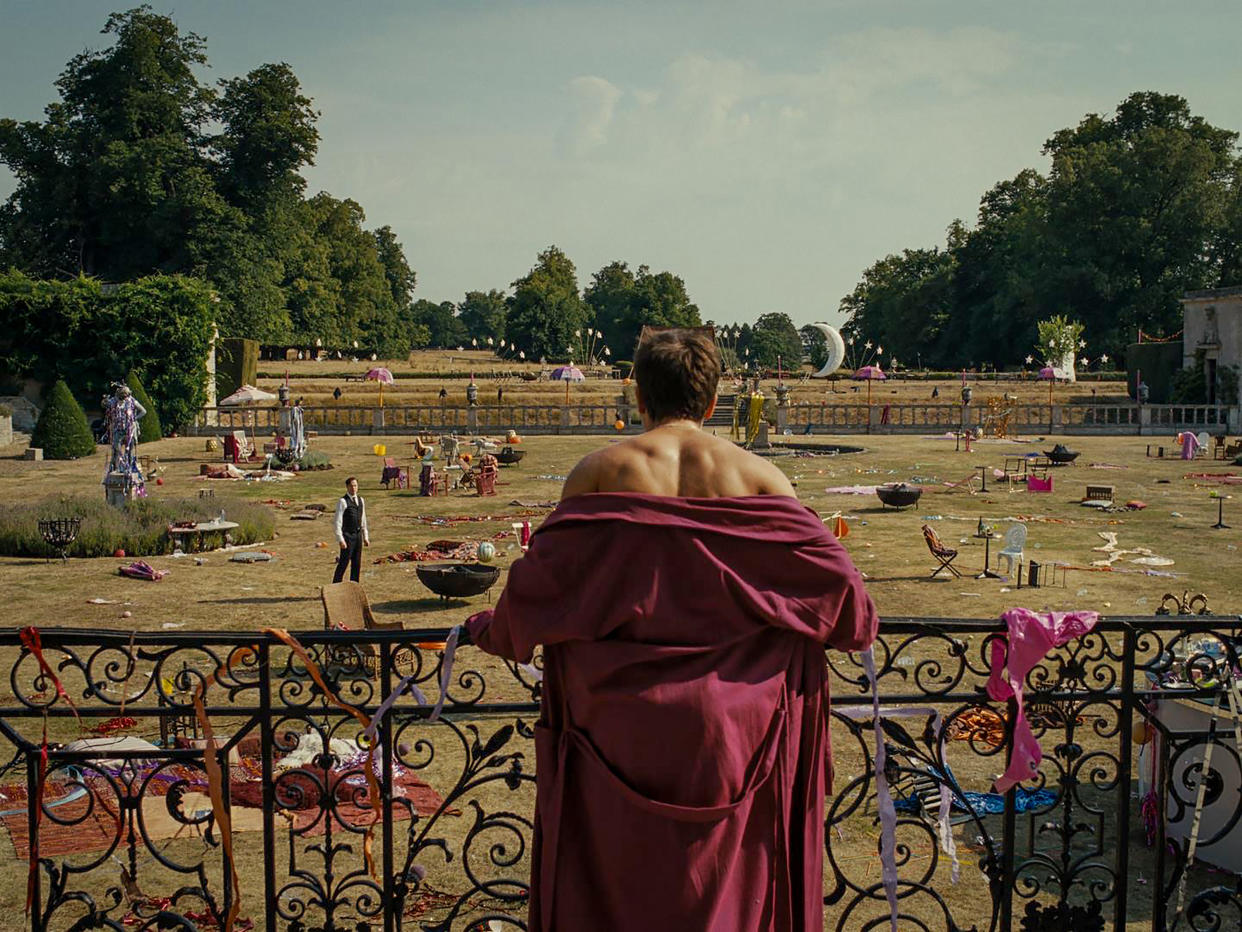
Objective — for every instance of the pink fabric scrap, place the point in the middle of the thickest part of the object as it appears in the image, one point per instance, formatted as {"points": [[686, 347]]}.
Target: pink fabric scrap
{"points": [[1030, 637]]}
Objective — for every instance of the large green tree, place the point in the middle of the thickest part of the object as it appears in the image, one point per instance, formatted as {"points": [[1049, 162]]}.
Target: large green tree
{"points": [[1139, 206], [444, 328], [139, 168], [482, 313], [1134, 203], [623, 302], [903, 303], [775, 338], [267, 136], [115, 183], [545, 308]]}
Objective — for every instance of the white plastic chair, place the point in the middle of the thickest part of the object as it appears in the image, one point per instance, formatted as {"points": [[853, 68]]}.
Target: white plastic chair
{"points": [[1204, 440], [1015, 541]]}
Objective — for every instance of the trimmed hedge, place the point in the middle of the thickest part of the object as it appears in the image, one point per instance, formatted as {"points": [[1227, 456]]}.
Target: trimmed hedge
{"points": [[149, 428], [62, 430], [140, 529]]}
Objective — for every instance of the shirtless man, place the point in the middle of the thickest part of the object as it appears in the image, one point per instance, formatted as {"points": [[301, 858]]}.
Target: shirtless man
{"points": [[677, 372], [683, 617]]}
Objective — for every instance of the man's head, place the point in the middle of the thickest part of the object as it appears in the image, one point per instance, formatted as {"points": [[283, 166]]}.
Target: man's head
{"points": [[351, 485], [677, 371]]}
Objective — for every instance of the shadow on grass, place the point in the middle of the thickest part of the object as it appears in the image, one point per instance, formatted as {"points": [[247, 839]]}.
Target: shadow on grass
{"points": [[419, 606], [258, 600]]}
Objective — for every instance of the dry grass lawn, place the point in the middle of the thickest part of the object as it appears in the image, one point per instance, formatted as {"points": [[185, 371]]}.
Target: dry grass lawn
{"points": [[886, 544]]}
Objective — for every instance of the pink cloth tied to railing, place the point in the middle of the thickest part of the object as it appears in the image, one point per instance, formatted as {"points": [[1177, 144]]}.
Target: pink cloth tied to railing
{"points": [[1029, 638]]}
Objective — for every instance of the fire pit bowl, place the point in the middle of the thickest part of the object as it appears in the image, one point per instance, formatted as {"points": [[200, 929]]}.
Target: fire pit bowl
{"points": [[457, 580], [509, 456], [898, 494], [1060, 455]]}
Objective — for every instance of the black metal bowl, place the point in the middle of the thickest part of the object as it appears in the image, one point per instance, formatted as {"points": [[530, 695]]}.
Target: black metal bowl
{"points": [[457, 580], [899, 495], [1061, 457], [509, 456]]}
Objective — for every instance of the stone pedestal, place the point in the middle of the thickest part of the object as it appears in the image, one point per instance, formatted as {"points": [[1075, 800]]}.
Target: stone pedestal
{"points": [[761, 440], [782, 409], [118, 489]]}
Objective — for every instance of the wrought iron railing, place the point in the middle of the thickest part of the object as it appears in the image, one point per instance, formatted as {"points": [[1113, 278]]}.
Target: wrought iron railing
{"points": [[127, 835]]}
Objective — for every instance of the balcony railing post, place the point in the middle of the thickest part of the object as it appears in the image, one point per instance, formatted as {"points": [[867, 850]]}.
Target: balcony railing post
{"points": [[385, 739], [1010, 826], [1125, 767], [32, 817], [267, 741]]}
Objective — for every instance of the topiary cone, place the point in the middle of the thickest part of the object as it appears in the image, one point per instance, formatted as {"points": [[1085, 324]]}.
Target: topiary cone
{"points": [[62, 430], [149, 427]]}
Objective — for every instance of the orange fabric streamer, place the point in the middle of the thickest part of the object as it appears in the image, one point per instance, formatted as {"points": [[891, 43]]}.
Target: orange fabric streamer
{"points": [[215, 779], [30, 639], [32, 642], [372, 784], [215, 784]]}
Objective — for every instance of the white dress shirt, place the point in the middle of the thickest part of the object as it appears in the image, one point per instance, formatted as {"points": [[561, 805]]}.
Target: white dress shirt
{"points": [[340, 517]]}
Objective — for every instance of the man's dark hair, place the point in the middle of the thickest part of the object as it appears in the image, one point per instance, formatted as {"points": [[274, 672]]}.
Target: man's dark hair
{"points": [[677, 371], [351, 479]]}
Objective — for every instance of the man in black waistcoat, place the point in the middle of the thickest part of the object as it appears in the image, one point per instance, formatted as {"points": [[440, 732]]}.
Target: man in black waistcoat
{"points": [[351, 531]]}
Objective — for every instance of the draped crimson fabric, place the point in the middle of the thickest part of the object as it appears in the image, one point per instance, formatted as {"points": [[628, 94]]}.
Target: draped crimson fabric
{"points": [[682, 749]]}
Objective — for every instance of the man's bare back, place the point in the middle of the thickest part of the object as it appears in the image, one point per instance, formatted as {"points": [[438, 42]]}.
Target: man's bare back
{"points": [[676, 459]]}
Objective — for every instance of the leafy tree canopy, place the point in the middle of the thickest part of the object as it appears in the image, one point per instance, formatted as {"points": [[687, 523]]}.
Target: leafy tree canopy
{"points": [[141, 169], [774, 338], [545, 308], [1139, 206], [76, 331], [482, 313]]}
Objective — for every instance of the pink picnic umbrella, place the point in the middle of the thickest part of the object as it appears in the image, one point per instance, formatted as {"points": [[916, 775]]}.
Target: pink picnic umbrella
{"points": [[870, 373], [384, 377], [1049, 373]]}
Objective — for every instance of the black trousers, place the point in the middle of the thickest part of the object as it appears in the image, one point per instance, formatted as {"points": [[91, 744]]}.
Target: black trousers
{"points": [[351, 556]]}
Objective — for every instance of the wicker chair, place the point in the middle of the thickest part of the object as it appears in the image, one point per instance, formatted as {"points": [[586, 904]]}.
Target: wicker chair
{"points": [[346, 608]]}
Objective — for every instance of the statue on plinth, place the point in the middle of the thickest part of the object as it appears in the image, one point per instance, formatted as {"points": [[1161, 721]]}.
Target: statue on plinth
{"points": [[123, 479]]}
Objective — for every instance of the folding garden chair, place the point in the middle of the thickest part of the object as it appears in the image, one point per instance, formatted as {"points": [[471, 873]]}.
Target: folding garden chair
{"points": [[943, 554]]}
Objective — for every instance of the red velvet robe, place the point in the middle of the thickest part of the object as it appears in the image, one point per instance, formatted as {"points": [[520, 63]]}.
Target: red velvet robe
{"points": [[682, 748]]}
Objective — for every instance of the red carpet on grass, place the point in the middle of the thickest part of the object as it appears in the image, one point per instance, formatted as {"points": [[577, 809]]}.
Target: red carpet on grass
{"points": [[96, 832]]}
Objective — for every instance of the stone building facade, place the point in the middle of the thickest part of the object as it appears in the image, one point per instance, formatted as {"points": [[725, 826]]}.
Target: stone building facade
{"points": [[1212, 327]]}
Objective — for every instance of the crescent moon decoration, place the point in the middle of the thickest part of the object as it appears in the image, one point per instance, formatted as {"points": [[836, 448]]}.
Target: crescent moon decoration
{"points": [[836, 351]]}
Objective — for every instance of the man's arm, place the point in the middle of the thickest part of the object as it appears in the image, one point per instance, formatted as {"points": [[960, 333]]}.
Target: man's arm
{"points": [[362, 507], [337, 521]]}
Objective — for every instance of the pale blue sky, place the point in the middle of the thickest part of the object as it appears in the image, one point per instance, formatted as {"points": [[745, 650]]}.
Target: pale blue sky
{"points": [[766, 152]]}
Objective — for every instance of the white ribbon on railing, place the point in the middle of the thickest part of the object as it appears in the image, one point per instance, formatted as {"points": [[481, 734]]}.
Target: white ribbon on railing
{"points": [[446, 670], [944, 827], [407, 683]]}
